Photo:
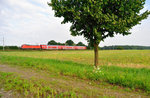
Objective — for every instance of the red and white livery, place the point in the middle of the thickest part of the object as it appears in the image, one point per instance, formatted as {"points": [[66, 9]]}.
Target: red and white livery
{"points": [[30, 46], [53, 47]]}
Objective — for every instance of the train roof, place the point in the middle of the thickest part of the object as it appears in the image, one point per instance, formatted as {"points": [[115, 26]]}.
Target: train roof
{"points": [[52, 45], [65, 45]]}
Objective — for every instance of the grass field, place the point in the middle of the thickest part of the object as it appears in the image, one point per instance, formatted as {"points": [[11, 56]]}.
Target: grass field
{"points": [[123, 58], [125, 68]]}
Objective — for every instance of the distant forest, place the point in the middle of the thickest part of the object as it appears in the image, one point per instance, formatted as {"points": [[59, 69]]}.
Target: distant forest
{"points": [[10, 48], [125, 47]]}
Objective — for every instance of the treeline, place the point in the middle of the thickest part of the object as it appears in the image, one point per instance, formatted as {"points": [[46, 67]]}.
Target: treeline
{"points": [[125, 47], [71, 43], [68, 42], [10, 47]]}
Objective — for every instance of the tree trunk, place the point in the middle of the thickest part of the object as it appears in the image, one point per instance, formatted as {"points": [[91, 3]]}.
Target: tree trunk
{"points": [[96, 55]]}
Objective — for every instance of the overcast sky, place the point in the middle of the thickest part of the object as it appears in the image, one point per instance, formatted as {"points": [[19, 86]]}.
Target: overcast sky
{"points": [[33, 22]]}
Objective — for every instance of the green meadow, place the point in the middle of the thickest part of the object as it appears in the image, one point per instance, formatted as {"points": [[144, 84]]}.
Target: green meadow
{"points": [[122, 68], [122, 58]]}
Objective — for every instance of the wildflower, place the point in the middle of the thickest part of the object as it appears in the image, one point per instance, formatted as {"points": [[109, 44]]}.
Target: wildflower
{"points": [[97, 70]]}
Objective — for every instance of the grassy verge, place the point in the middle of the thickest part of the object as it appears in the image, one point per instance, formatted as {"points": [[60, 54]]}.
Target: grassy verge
{"points": [[30, 88], [126, 77]]}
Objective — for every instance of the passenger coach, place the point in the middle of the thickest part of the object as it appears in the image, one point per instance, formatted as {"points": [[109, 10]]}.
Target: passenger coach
{"points": [[52, 47]]}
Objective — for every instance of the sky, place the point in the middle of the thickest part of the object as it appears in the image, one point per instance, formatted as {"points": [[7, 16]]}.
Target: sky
{"points": [[33, 22]]}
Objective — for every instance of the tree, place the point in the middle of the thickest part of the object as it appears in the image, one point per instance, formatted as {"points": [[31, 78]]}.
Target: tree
{"points": [[90, 46], [99, 19], [119, 48], [80, 44], [58, 43], [69, 42], [52, 42]]}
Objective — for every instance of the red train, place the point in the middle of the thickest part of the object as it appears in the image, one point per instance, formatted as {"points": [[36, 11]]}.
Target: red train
{"points": [[50, 47]]}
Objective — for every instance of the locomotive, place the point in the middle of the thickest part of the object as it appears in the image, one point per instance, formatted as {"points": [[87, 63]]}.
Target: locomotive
{"points": [[52, 47]]}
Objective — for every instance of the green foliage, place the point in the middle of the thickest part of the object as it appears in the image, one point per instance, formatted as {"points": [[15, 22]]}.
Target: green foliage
{"points": [[70, 43], [52, 42], [31, 88], [9, 47], [90, 46], [58, 43], [80, 44], [119, 48], [99, 19], [126, 77], [1, 47], [125, 47]]}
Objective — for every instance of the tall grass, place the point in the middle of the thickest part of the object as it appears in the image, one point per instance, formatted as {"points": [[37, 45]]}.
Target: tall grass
{"points": [[126, 77]]}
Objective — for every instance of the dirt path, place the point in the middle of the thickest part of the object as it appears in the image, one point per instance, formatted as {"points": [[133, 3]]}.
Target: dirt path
{"points": [[66, 83]]}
